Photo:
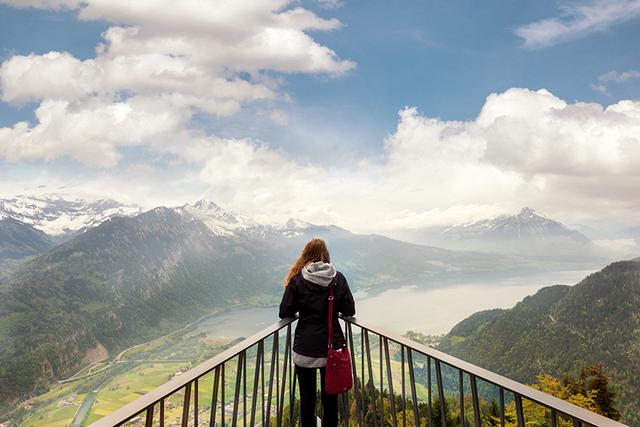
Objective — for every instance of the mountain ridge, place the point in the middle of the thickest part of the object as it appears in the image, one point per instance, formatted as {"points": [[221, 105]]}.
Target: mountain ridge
{"points": [[19, 241], [526, 232], [124, 281], [560, 328], [61, 217]]}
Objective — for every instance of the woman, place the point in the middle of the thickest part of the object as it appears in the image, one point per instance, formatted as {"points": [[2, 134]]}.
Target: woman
{"points": [[307, 292]]}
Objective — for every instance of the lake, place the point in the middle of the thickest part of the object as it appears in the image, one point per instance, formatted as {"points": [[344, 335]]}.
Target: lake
{"points": [[431, 311]]}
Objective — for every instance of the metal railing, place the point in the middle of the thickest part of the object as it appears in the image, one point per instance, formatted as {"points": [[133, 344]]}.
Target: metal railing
{"points": [[407, 384]]}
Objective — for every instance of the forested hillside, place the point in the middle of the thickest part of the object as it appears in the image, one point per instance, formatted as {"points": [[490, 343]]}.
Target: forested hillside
{"points": [[126, 280], [19, 241], [560, 329]]}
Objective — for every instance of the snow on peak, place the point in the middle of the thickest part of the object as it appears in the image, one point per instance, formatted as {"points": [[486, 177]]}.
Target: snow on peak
{"points": [[293, 223], [206, 205], [220, 221], [530, 213], [56, 215]]}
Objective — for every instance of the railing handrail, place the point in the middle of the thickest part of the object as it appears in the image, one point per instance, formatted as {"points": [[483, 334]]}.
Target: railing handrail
{"points": [[493, 378], [139, 405], [132, 409]]}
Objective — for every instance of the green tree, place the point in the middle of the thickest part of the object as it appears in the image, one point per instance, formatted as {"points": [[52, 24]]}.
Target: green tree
{"points": [[589, 390], [593, 378]]}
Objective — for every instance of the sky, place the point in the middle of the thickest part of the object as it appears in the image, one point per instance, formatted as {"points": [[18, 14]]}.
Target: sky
{"points": [[366, 114]]}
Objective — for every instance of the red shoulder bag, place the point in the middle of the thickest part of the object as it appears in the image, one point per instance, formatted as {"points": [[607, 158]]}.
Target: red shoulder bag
{"points": [[338, 377]]}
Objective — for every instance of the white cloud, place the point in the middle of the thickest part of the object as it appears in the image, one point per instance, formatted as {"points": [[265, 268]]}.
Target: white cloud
{"points": [[90, 130], [601, 89], [330, 4], [537, 133], [160, 64], [524, 148], [43, 4], [578, 19], [614, 76], [280, 117], [179, 58], [572, 161]]}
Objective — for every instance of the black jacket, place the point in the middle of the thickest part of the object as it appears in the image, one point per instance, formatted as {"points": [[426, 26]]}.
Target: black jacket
{"points": [[312, 302]]}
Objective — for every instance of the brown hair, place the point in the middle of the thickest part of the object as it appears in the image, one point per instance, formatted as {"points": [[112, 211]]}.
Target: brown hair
{"points": [[315, 250]]}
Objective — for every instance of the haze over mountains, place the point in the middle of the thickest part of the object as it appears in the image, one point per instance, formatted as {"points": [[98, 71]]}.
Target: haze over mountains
{"points": [[43, 221], [527, 232]]}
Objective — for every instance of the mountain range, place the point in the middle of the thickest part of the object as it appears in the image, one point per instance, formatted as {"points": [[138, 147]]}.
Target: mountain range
{"points": [[107, 276], [30, 225], [562, 328], [526, 232], [61, 217], [132, 278]]}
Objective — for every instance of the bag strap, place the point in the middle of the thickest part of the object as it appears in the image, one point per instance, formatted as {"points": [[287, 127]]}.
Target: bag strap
{"points": [[330, 340]]}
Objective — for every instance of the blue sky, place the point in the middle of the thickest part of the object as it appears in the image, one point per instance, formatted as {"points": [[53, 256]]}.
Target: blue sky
{"points": [[443, 58]]}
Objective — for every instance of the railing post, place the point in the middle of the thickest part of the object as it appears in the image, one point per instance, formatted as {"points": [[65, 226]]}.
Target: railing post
{"points": [[359, 408], [372, 385], [148, 422], [362, 376], [476, 403], [254, 396], [236, 393], [412, 382], [390, 381], [214, 397], [404, 393], [195, 403], [443, 417], [519, 412], [222, 408], [461, 390], [185, 405], [284, 375], [502, 421], [244, 391], [429, 390], [381, 382], [273, 371]]}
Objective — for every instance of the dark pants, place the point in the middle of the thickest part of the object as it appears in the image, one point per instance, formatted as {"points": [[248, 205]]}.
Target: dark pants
{"points": [[307, 381]]}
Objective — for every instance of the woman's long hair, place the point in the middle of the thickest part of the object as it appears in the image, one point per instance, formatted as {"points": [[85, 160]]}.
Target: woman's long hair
{"points": [[315, 250]]}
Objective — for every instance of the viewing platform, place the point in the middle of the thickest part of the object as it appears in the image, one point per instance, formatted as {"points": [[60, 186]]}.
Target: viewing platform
{"points": [[397, 382]]}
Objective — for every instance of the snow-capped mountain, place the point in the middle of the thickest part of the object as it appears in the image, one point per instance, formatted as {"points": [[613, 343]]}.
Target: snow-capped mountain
{"points": [[526, 232], [527, 224], [58, 216], [293, 228], [220, 221], [223, 222]]}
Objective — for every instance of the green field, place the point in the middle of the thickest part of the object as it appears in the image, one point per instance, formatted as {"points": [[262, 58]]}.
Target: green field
{"points": [[56, 413]]}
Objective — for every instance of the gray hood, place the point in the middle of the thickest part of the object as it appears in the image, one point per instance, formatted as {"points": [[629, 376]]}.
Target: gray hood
{"points": [[320, 273]]}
